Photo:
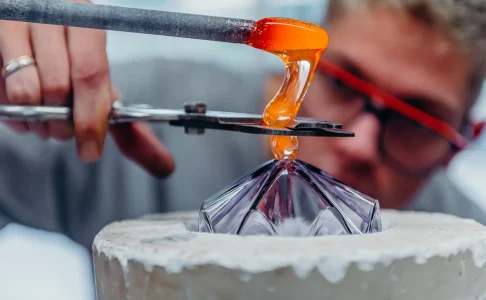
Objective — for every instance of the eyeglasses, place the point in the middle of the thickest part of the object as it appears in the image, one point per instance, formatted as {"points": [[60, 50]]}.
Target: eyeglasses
{"points": [[410, 139]]}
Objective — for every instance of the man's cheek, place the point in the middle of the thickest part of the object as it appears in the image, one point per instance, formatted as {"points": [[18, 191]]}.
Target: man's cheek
{"points": [[316, 151], [395, 186]]}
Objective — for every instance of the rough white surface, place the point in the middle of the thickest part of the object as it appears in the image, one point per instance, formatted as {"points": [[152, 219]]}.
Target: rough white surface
{"points": [[409, 240]]}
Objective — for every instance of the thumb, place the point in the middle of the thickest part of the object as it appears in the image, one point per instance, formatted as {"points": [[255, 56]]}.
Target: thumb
{"points": [[139, 144]]}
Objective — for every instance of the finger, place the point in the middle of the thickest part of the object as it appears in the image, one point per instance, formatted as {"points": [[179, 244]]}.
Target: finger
{"points": [[138, 143], [23, 86], [19, 127], [49, 43], [91, 89]]}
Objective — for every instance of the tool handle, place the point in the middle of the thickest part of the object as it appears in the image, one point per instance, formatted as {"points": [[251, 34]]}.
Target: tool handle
{"points": [[107, 17], [120, 113]]}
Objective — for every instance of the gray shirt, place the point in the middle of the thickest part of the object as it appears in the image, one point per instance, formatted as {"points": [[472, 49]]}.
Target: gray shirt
{"points": [[43, 184]]}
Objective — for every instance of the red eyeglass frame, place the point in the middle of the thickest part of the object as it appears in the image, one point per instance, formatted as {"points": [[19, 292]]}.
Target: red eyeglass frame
{"points": [[375, 94]]}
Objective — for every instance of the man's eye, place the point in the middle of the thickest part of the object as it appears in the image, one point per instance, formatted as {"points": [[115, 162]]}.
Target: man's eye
{"points": [[340, 88], [338, 84]]}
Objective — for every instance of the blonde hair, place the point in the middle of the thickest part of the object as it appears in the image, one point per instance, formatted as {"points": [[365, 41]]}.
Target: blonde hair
{"points": [[464, 21]]}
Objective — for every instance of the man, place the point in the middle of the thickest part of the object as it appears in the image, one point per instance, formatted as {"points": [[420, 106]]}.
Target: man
{"points": [[427, 53], [424, 53]]}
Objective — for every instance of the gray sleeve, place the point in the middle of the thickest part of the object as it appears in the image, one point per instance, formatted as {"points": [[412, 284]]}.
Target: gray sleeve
{"points": [[44, 185], [89, 196], [26, 174]]}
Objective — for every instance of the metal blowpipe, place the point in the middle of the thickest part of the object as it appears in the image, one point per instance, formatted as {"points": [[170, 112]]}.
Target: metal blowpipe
{"points": [[127, 19]]}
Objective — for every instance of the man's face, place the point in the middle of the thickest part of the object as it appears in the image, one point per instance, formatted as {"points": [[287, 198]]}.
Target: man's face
{"points": [[403, 57]]}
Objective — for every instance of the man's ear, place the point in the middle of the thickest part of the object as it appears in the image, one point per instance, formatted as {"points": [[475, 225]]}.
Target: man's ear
{"points": [[476, 130], [272, 84]]}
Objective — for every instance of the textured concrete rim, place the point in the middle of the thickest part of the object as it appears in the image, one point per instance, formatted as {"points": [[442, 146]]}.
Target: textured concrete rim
{"points": [[164, 241]]}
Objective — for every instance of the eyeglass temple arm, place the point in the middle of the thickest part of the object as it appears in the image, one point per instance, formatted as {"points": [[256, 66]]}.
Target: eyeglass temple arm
{"points": [[477, 129]]}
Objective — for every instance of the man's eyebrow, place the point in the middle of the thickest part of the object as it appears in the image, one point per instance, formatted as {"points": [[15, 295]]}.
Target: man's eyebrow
{"points": [[430, 105], [348, 65]]}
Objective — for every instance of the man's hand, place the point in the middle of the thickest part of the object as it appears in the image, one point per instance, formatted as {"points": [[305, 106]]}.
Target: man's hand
{"points": [[71, 68]]}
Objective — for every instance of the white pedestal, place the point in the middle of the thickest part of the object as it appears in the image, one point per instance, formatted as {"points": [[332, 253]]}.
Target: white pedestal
{"points": [[417, 256]]}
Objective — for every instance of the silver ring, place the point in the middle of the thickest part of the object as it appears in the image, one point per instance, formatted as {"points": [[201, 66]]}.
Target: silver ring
{"points": [[17, 64]]}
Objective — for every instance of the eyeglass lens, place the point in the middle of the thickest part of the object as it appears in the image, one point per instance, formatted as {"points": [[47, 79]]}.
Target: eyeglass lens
{"points": [[408, 143]]}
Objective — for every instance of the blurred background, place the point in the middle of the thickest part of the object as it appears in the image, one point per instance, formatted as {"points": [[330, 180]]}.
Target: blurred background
{"points": [[54, 267]]}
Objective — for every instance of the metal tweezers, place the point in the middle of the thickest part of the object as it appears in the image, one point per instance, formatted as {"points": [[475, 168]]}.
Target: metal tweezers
{"points": [[195, 118]]}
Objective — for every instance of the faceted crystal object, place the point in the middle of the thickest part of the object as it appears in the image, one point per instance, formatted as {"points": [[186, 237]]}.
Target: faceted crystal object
{"points": [[289, 198]]}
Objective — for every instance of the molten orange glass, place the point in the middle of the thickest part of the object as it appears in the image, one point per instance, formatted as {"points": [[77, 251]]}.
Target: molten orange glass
{"points": [[284, 146], [300, 45], [282, 34]]}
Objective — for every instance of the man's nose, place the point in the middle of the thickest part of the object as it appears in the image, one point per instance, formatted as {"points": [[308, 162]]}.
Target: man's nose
{"points": [[363, 147]]}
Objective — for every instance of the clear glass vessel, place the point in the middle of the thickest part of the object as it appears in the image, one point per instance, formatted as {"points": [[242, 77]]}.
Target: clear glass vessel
{"points": [[289, 198]]}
